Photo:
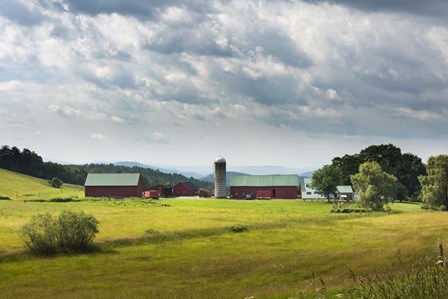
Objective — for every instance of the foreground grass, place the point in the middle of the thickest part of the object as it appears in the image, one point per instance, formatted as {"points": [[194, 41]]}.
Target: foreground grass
{"points": [[193, 255]]}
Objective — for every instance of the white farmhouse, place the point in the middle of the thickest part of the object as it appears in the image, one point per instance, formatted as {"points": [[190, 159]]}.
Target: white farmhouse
{"points": [[307, 191]]}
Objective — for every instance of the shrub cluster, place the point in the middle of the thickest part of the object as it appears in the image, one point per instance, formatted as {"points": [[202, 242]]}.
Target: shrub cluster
{"points": [[69, 232], [237, 228], [351, 210], [59, 199], [4, 198]]}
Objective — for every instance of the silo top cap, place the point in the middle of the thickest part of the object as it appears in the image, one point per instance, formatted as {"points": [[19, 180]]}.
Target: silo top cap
{"points": [[220, 160]]}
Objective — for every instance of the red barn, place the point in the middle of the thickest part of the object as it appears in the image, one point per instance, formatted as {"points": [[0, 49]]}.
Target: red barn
{"points": [[265, 186], [184, 189], [113, 185]]}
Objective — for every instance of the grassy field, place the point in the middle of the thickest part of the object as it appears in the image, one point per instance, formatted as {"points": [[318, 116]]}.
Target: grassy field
{"points": [[20, 186], [289, 245]]}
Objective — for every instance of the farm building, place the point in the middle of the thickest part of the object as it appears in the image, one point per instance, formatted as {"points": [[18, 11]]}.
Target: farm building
{"points": [[164, 190], [345, 192], [306, 191], [267, 186], [184, 189], [113, 185]]}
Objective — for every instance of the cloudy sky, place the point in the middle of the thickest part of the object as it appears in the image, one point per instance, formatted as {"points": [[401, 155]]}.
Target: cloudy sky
{"points": [[179, 82]]}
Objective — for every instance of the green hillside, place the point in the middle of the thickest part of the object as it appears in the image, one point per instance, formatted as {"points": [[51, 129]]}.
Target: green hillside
{"points": [[19, 186]]}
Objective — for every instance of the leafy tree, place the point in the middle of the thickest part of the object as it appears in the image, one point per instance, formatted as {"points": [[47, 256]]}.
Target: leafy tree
{"points": [[326, 180], [56, 183], [388, 156], [374, 186], [348, 164], [435, 183], [408, 171]]}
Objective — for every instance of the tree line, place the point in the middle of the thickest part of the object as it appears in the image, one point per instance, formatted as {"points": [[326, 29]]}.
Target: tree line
{"points": [[382, 173], [28, 162]]}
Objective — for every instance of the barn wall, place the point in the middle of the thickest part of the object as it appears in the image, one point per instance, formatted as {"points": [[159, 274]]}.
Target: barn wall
{"points": [[181, 189], [280, 192], [112, 191]]}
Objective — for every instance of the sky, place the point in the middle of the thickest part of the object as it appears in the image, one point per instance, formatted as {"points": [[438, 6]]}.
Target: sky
{"points": [[171, 82]]}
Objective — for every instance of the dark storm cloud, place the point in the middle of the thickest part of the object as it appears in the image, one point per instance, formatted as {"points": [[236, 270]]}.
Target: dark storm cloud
{"points": [[131, 7], [417, 7], [279, 45], [146, 9], [266, 91], [17, 12], [178, 40]]}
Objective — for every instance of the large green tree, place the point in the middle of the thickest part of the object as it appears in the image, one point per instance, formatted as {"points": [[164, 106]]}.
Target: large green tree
{"points": [[405, 167], [374, 186], [435, 183], [326, 180]]}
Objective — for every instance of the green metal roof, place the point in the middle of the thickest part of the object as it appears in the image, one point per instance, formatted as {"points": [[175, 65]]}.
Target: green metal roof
{"points": [[112, 179], [264, 180], [345, 189]]}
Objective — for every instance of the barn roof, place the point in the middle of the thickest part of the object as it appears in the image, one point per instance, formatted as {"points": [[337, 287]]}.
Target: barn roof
{"points": [[264, 180], [112, 179], [345, 189]]}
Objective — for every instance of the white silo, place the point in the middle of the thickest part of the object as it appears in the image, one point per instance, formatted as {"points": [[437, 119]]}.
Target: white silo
{"points": [[220, 178]]}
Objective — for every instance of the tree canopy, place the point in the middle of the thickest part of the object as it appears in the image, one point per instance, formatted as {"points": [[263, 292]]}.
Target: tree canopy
{"points": [[326, 180], [405, 167], [435, 183], [374, 186]]}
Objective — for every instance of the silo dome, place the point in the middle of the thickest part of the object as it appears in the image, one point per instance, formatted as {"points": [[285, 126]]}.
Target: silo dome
{"points": [[220, 160]]}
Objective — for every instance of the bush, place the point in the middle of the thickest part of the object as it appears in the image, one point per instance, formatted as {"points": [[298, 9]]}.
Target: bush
{"points": [[76, 231], [70, 232], [59, 199], [56, 183], [237, 228], [40, 234], [4, 198]]}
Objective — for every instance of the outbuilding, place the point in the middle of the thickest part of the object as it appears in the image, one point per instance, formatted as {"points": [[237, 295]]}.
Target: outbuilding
{"points": [[164, 190], [184, 189], [345, 192], [113, 185], [264, 186]]}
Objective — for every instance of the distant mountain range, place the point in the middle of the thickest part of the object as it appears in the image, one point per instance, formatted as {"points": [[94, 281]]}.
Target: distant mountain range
{"points": [[206, 172]]}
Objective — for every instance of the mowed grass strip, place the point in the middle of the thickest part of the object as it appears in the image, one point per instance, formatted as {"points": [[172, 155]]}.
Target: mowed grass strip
{"points": [[195, 256]]}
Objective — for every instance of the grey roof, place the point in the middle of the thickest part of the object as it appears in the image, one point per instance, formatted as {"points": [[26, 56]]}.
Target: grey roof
{"points": [[345, 189], [112, 179], [264, 180]]}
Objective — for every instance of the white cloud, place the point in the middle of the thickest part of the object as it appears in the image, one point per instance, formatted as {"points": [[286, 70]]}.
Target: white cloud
{"points": [[63, 110], [96, 135], [332, 94]]}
